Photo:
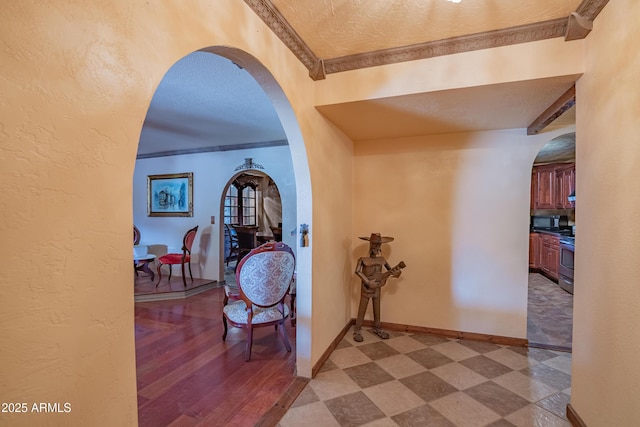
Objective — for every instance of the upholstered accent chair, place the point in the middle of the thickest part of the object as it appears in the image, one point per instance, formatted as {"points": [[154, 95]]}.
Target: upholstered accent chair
{"points": [[263, 279], [183, 258]]}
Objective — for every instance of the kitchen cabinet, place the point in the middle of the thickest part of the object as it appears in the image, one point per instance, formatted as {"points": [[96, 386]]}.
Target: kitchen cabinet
{"points": [[545, 194], [535, 250], [550, 255], [551, 185], [565, 185]]}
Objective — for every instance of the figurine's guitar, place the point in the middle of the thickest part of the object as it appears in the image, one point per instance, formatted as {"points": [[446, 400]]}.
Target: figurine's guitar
{"points": [[382, 277]]}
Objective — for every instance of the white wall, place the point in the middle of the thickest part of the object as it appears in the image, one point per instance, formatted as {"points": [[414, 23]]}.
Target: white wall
{"points": [[211, 173]]}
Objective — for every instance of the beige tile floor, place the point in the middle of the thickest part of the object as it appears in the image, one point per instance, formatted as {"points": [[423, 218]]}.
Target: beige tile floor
{"points": [[424, 380]]}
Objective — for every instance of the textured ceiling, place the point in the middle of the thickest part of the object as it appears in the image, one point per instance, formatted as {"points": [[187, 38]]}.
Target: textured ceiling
{"points": [[207, 103], [335, 28]]}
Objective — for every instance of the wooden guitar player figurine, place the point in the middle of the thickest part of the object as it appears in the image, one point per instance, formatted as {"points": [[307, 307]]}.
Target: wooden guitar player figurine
{"points": [[369, 269]]}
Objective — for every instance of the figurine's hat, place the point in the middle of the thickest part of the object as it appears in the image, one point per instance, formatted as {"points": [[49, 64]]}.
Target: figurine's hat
{"points": [[377, 238]]}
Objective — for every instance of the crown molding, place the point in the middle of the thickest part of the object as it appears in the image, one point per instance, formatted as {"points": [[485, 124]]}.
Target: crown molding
{"points": [[486, 40], [215, 148], [589, 9], [281, 28], [319, 68]]}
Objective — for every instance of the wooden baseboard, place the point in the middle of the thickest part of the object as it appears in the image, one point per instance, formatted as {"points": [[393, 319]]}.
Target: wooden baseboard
{"points": [[574, 418], [495, 339], [329, 350]]}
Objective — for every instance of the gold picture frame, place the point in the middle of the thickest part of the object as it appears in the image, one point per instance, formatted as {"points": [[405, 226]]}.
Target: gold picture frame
{"points": [[170, 194]]}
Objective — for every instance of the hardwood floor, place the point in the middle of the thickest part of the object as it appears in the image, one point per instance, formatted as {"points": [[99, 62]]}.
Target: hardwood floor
{"points": [[188, 376]]}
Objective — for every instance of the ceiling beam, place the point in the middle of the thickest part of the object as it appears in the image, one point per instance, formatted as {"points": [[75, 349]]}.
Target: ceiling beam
{"points": [[555, 110]]}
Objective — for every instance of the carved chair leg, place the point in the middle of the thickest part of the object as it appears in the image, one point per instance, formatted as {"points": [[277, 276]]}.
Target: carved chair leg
{"points": [[292, 303], [285, 339], [190, 275], [247, 353], [184, 279], [224, 322], [159, 273]]}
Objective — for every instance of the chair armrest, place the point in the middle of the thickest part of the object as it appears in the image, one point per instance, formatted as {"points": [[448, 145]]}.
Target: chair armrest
{"points": [[231, 293]]}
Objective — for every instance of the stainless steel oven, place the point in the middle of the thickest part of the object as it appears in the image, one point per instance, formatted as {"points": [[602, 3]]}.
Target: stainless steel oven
{"points": [[565, 268]]}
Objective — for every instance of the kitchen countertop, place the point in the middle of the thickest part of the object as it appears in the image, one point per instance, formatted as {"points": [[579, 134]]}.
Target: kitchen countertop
{"points": [[565, 237]]}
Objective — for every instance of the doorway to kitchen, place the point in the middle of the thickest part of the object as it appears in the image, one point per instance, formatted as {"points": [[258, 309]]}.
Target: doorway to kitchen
{"points": [[552, 210]]}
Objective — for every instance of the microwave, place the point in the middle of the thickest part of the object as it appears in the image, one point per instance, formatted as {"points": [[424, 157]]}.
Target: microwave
{"points": [[549, 222]]}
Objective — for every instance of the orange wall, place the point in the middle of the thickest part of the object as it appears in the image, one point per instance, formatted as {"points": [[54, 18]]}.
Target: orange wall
{"points": [[458, 208], [606, 337], [76, 81]]}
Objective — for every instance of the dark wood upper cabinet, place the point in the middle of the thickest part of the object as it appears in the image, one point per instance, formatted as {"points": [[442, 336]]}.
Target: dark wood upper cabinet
{"points": [[565, 184], [551, 185]]}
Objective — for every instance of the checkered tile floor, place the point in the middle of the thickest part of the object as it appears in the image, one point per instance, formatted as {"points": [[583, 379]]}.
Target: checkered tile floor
{"points": [[424, 380]]}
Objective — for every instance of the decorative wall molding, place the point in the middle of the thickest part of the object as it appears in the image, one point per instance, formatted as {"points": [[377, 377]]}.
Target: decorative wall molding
{"points": [[319, 68], [274, 20], [486, 40], [578, 27], [589, 9], [232, 147]]}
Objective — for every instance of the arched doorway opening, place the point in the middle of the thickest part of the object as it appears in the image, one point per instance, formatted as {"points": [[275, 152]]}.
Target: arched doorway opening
{"points": [[298, 179], [551, 247], [251, 199]]}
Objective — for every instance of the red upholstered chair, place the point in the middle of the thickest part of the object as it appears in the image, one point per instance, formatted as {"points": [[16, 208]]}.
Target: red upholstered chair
{"points": [[263, 278], [179, 258]]}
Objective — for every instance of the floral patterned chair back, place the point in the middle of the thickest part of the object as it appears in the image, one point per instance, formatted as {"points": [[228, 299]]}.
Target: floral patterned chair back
{"points": [[263, 278]]}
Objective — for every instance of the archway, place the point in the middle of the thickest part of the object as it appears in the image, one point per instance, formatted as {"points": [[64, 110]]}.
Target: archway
{"points": [[304, 199], [550, 299], [260, 192], [300, 204]]}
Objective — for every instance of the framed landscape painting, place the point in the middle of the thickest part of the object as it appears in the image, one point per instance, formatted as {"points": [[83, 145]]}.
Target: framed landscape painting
{"points": [[170, 195]]}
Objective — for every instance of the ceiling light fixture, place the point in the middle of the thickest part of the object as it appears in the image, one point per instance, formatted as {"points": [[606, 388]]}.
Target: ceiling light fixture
{"points": [[454, 1]]}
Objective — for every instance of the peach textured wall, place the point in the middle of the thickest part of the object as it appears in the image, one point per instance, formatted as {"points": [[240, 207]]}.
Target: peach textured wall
{"points": [[458, 208], [606, 338], [76, 80]]}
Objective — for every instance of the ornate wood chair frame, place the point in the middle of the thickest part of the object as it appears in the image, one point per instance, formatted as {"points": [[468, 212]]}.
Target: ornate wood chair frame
{"points": [[172, 259], [263, 280]]}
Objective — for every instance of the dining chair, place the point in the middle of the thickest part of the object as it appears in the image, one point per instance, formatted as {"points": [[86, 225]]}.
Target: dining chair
{"points": [[277, 233], [183, 258], [231, 243], [263, 279], [247, 239]]}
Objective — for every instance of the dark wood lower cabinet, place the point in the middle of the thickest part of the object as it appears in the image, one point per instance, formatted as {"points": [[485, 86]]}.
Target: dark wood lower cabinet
{"points": [[535, 250], [544, 253], [550, 255]]}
